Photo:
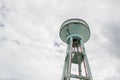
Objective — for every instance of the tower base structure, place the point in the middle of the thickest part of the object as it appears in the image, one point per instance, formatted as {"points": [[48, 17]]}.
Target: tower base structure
{"points": [[76, 55]]}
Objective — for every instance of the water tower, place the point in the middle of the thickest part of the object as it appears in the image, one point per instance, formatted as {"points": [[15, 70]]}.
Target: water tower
{"points": [[75, 32]]}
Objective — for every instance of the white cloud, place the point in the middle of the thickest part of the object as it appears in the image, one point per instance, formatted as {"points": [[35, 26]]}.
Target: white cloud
{"points": [[31, 27]]}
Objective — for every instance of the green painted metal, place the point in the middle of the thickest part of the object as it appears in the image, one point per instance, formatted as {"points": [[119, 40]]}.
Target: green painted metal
{"points": [[78, 57], [75, 32], [75, 57], [74, 26]]}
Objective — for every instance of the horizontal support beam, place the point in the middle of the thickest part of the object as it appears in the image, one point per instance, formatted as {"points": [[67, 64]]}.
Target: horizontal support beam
{"points": [[77, 76]]}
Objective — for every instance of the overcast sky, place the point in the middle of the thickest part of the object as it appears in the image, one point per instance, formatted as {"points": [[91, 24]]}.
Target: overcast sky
{"points": [[30, 47]]}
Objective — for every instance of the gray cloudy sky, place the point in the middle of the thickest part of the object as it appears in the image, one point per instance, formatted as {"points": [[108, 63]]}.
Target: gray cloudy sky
{"points": [[30, 47]]}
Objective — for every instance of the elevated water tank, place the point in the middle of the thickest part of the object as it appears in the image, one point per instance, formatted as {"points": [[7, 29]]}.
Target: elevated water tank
{"points": [[74, 26]]}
